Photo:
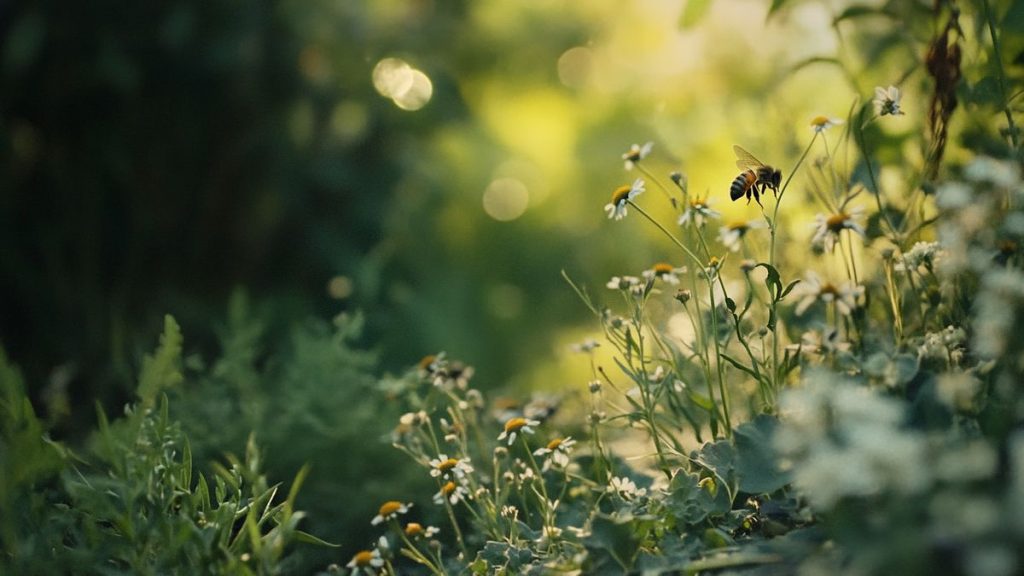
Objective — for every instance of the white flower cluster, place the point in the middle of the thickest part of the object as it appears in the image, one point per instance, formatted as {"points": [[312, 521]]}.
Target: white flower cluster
{"points": [[845, 440]]}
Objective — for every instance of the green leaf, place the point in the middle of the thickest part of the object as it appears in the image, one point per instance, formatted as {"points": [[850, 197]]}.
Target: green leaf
{"points": [[693, 13], [1013, 20], [162, 369], [858, 11], [617, 536], [789, 288], [775, 7], [692, 500], [718, 457], [308, 538], [773, 281], [738, 365], [757, 470]]}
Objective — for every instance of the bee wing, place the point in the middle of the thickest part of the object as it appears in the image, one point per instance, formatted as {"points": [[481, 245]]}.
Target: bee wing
{"points": [[745, 159]]}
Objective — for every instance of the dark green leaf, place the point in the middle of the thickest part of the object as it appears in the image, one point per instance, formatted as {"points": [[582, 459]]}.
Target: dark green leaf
{"points": [[789, 288], [617, 536], [757, 469]]}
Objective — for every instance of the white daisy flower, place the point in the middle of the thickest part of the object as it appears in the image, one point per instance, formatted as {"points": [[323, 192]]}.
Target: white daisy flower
{"points": [[556, 452], [636, 153], [616, 209], [827, 228], [452, 492], [516, 425], [887, 101], [731, 235], [821, 123], [450, 467], [626, 488], [698, 211], [813, 289], [664, 272], [389, 510]]}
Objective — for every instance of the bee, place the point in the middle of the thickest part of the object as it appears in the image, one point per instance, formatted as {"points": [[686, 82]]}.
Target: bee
{"points": [[756, 178]]}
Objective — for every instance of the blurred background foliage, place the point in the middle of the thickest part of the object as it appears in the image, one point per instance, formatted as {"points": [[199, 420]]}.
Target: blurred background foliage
{"points": [[433, 164]]}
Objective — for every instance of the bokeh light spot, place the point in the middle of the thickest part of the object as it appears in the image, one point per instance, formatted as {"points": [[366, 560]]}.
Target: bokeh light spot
{"points": [[506, 199], [417, 94], [340, 287], [392, 76], [409, 88], [349, 121]]}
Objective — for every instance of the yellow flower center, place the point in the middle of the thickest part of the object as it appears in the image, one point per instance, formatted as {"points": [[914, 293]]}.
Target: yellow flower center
{"points": [[662, 268], [413, 529], [554, 444], [740, 227], [514, 425], [448, 488], [828, 288], [620, 194], [713, 263], [837, 222], [447, 464], [363, 558], [633, 154], [426, 361], [819, 121], [390, 507]]}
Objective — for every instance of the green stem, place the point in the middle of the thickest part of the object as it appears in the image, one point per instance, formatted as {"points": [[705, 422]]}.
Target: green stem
{"points": [[1001, 76], [674, 240], [773, 232]]}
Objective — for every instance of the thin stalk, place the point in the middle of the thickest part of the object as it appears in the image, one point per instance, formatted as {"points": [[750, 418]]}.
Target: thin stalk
{"points": [[773, 232], [1001, 75]]}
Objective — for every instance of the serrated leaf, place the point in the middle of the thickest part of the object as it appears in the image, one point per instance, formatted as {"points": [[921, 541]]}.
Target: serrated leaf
{"points": [[757, 471], [693, 13], [162, 369], [718, 457]]}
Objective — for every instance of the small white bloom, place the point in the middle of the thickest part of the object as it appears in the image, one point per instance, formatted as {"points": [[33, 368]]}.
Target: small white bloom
{"points": [[631, 283], [827, 228], [365, 559], [450, 467], [887, 101], [813, 289], [622, 195], [585, 347], [516, 425], [452, 492], [821, 123], [699, 211], [636, 153], [731, 235], [626, 488], [389, 510], [664, 272], [556, 452]]}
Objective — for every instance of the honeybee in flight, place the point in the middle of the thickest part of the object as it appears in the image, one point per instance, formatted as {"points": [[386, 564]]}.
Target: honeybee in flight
{"points": [[756, 178]]}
